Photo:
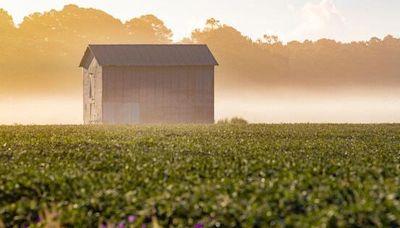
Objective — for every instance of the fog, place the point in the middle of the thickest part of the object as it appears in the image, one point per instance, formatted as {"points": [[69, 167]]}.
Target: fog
{"points": [[279, 106], [41, 110], [285, 107]]}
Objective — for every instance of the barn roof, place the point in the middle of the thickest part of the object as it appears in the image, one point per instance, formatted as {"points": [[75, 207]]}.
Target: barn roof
{"points": [[148, 55]]}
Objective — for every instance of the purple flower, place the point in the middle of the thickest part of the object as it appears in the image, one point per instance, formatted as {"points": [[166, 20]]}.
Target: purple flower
{"points": [[121, 225], [198, 225], [132, 218], [144, 226], [103, 225], [38, 219]]}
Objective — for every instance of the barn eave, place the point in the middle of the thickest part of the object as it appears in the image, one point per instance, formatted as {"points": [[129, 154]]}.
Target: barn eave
{"points": [[86, 59]]}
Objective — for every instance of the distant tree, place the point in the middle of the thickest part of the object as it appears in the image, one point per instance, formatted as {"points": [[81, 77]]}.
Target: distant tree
{"points": [[308, 42], [221, 35], [148, 29], [85, 25], [213, 23], [6, 22], [326, 42], [391, 41], [374, 40], [389, 37], [269, 40]]}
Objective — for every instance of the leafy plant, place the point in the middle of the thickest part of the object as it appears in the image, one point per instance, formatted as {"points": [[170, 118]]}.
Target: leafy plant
{"points": [[200, 176]]}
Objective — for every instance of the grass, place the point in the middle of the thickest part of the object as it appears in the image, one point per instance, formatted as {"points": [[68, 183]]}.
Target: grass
{"points": [[217, 175]]}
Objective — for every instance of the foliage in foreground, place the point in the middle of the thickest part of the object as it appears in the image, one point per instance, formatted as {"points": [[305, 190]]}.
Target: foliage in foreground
{"points": [[220, 175]]}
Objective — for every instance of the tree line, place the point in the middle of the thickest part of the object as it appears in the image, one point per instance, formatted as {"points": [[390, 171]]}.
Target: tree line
{"points": [[42, 54]]}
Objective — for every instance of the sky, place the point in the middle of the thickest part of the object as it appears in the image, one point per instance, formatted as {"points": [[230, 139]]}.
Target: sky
{"points": [[344, 20]]}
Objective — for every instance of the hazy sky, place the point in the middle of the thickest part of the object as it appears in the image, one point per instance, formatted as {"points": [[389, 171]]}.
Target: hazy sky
{"points": [[290, 19]]}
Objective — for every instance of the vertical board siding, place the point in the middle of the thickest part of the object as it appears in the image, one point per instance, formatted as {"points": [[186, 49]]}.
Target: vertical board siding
{"points": [[173, 94], [86, 96], [92, 109]]}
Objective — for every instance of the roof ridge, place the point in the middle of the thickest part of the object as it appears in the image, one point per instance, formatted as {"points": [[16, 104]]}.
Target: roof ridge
{"points": [[149, 55]]}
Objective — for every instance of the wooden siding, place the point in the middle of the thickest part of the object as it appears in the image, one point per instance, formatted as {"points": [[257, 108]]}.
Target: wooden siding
{"points": [[171, 94], [92, 93]]}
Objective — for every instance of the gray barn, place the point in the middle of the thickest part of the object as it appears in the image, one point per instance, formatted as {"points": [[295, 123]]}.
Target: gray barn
{"points": [[129, 84]]}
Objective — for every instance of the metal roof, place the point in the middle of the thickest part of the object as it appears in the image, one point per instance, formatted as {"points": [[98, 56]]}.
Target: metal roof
{"points": [[148, 55]]}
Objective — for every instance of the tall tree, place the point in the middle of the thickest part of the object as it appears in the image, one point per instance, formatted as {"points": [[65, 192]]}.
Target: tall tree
{"points": [[80, 24], [6, 23], [148, 29]]}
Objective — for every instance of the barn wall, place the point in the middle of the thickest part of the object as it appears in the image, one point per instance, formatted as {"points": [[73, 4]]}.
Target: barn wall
{"points": [[92, 108], [170, 94]]}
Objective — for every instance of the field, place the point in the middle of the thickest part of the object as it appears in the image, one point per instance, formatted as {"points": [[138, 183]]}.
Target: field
{"points": [[195, 176]]}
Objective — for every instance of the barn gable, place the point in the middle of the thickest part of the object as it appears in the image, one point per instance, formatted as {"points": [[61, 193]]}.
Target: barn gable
{"points": [[87, 59], [149, 55]]}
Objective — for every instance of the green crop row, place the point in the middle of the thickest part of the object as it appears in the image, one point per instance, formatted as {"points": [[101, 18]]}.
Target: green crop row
{"points": [[194, 176]]}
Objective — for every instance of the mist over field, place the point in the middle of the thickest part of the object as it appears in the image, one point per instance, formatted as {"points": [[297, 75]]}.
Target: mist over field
{"points": [[263, 80], [278, 106]]}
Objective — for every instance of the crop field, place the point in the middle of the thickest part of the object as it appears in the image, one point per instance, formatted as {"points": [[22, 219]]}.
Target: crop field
{"points": [[200, 176]]}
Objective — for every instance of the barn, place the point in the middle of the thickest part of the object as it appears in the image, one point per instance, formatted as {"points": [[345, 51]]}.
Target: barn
{"points": [[135, 84]]}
